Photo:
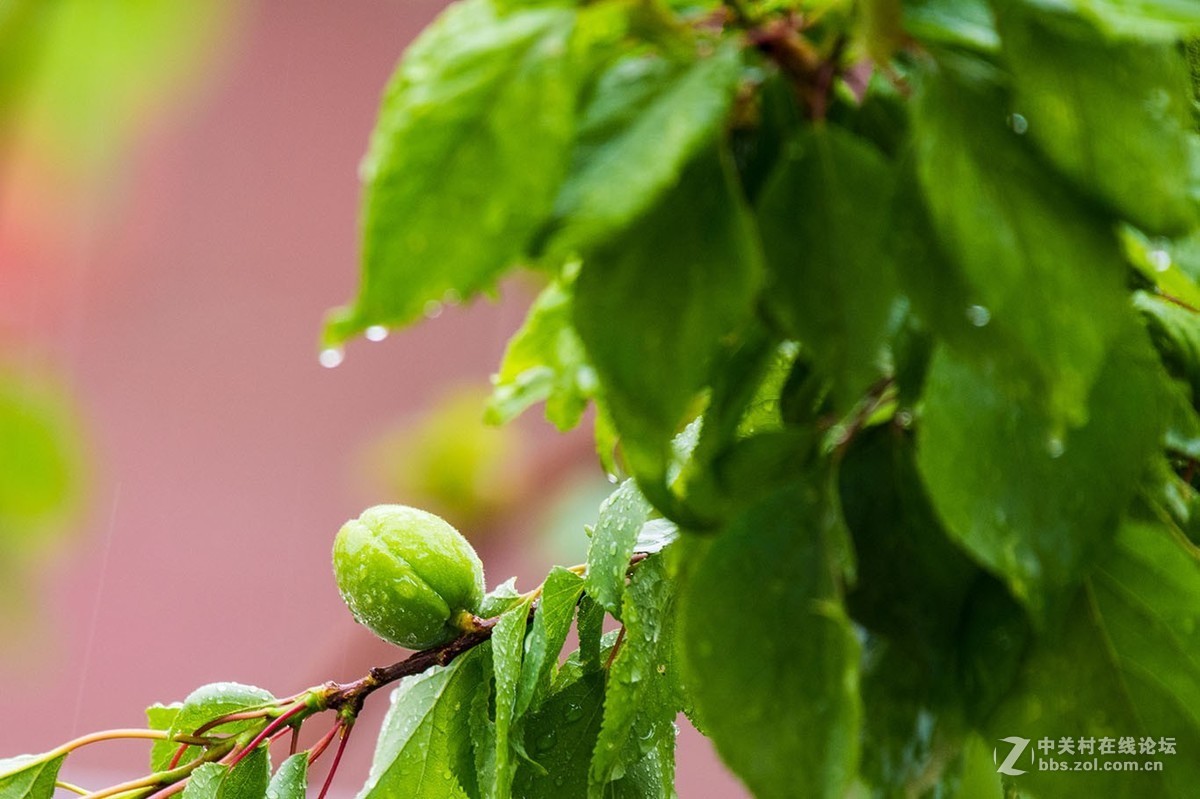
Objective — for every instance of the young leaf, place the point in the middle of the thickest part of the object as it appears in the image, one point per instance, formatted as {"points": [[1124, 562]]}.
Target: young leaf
{"points": [[1130, 652], [508, 646], [204, 704], [770, 659], [500, 599], [544, 360], [641, 694], [291, 780], [648, 117], [1041, 271], [1034, 502], [425, 741], [30, 776], [205, 781], [471, 144], [621, 519], [162, 717], [830, 281], [551, 623], [1114, 117], [651, 333]]}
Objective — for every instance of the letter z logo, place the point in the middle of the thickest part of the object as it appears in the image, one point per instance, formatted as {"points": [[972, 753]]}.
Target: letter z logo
{"points": [[1009, 764]]}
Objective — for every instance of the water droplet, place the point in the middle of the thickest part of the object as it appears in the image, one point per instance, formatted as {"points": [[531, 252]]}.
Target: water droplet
{"points": [[1055, 447], [451, 297], [1018, 124], [1160, 259], [574, 712], [612, 478], [446, 774], [331, 357], [376, 333], [546, 742], [978, 315], [433, 309], [904, 419]]}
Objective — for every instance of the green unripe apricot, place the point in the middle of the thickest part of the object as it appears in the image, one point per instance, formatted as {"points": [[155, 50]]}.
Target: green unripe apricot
{"points": [[407, 575]]}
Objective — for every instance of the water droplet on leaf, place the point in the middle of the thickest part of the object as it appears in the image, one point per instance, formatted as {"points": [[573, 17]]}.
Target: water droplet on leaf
{"points": [[978, 315], [376, 333], [1018, 124], [331, 357]]}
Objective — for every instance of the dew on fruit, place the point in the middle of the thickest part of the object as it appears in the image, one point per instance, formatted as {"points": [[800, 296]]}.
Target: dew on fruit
{"points": [[331, 357], [376, 333]]}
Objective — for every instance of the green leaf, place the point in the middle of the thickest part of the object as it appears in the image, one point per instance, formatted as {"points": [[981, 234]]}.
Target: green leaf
{"points": [[500, 599], [162, 717], [205, 782], [1040, 272], [1130, 652], [651, 333], [31, 776], [770, 659], [291, 780], [1175, 332], [247, 780], [508, 646], [544, 361], [589, 622], [642, 694], [472, 141], [1114, 117], [425, 739], [613, 540], [912, 579], [1032, 501], [830, 282], [206, 703], [957, 23], [560, 736], [1134, 19], [551, 623], [647, 118]]}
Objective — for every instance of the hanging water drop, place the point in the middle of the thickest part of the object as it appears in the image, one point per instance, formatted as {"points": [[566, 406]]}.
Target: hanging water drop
{"points": [[1018, 124], [376, 333], [978, 315], [331, 357], [1160, 259], [1055, 447]]}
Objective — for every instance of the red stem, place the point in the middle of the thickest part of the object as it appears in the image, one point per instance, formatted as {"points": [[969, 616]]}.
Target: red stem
{"points": [[337, 757], [269, 730]]}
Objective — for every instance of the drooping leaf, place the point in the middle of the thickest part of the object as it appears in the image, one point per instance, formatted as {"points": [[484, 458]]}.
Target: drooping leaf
{"points": [[1114, 117], [613, 540], [473, 137], [641, 694], [205, 704], [551, 623], [508, 646], [651, 333], [1032, 501], [647, 118], [770, 659], [30, 776], [559, 736], [830, 280], [544, 361], [291, 779], [424, 745], [1017, 244], [1130, 652]]}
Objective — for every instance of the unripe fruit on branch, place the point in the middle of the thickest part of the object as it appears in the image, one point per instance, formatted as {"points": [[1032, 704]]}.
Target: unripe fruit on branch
{"points": [[407, 575]]}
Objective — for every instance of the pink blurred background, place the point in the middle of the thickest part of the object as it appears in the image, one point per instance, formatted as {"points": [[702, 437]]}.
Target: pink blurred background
{"points": [[179, 298]]}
